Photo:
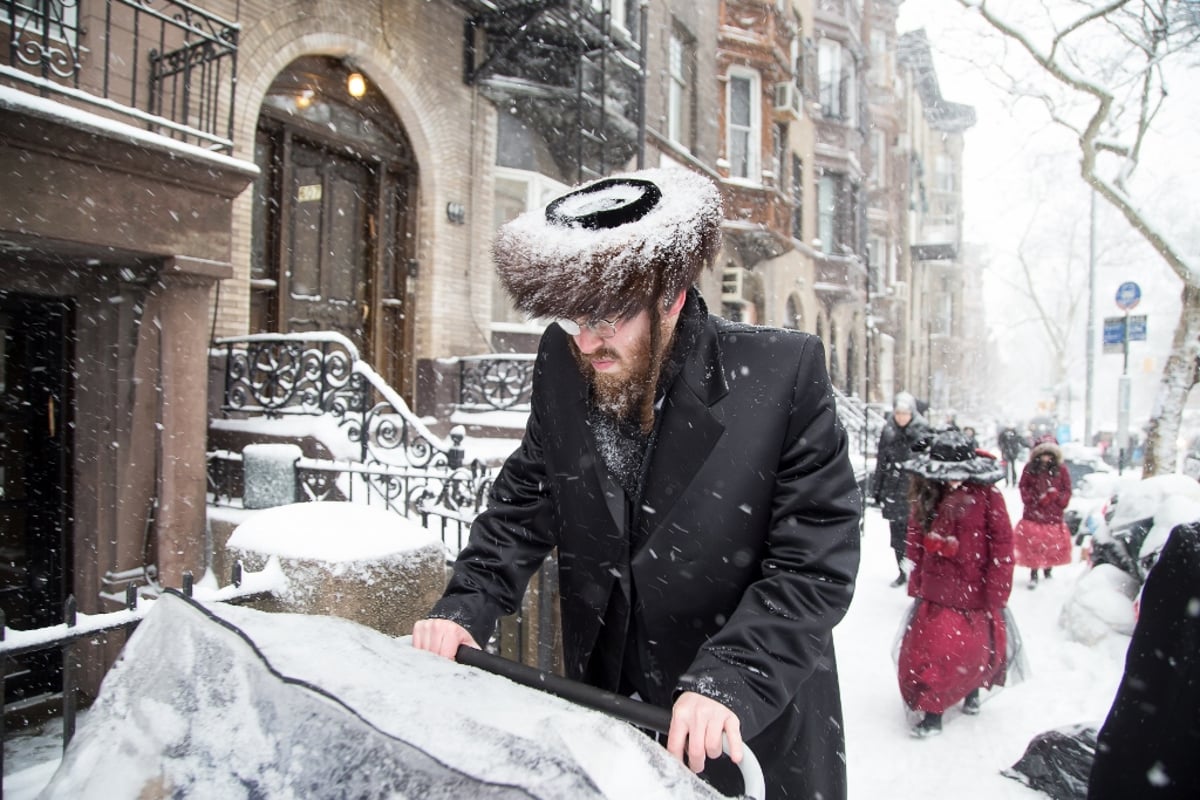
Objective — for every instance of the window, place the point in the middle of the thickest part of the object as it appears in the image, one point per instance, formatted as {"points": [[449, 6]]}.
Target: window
{"points": [[878, 159], [54, 24], [742, 125], [838, 220], [779, 151], [837, 81], [797, 197], [622, 12], [680, 91], [877, 257], [826, 211], [879, 72]]}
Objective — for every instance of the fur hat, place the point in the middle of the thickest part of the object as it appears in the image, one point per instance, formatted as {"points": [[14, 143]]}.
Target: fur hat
{"points": [[1047, 446], [611, 247], [951, 457], [904, 402]]}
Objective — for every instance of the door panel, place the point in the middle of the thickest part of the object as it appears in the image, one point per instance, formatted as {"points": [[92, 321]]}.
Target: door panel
{"points": [[34, 479], [329, 254]]}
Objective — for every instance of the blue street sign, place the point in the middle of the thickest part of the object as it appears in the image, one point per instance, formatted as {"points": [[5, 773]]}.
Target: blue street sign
{"points": [[1114, 330], [1128, 295], [1137, 328]]}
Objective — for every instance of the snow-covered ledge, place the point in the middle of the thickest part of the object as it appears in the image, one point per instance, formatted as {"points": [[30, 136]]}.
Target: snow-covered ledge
{"points": [[346, 560]]}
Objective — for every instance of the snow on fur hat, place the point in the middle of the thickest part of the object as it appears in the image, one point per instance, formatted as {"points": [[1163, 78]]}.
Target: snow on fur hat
{"points": [[951, 457], [611, 247], [904, 402]]}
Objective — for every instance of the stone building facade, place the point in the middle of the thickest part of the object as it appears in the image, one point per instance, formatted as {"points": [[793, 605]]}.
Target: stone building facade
{"points": [[344, 165]]}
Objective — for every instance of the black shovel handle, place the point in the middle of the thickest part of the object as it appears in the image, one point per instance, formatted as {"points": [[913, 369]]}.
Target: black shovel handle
{"points": [[643, 715]]}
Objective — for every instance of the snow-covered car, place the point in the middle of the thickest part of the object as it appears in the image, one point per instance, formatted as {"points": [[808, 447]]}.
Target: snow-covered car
{"points": [[1093, 482], [1191, 459], [223, 701], [1127, 539]]}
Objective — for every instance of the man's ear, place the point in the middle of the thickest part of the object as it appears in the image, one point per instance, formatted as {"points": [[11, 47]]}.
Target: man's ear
{"points": [[673, 308]]}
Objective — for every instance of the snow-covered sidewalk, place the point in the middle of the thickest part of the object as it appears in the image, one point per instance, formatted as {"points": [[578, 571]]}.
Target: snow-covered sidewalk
{"points": [[1069, 683]]}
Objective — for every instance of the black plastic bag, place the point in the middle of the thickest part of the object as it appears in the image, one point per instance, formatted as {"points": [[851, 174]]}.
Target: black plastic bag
{"points": [[1058, 762]]}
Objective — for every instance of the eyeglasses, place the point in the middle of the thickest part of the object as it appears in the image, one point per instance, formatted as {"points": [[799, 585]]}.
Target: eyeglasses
{"points": [[603, 328]]}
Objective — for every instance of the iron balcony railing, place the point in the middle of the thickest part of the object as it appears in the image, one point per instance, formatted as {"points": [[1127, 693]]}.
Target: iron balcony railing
{"points": [[165, 65]]}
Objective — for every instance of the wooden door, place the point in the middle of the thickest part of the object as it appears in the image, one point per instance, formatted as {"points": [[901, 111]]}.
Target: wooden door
{"points": [[34, 480], [330, 201]]}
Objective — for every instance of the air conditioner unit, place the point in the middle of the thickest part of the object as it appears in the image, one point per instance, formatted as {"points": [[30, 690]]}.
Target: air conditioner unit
{"points": [[787, 99], [731, 285]]}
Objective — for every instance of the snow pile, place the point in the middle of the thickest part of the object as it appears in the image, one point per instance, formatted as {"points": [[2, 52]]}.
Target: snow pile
{"points": [[230, 702]]}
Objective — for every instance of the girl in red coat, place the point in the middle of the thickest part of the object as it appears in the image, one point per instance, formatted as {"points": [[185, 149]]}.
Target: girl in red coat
{"points": [[960, 544], [1041, 539]]}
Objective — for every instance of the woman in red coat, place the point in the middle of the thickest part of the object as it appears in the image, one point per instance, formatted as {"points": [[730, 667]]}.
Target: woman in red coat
{"points": [[960, 543], [1041, 539]]}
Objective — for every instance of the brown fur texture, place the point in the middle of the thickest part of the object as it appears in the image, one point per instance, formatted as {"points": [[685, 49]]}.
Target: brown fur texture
{"points": [[555, 271]]}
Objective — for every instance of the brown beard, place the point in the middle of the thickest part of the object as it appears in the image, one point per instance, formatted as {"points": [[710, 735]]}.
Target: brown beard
{"points": [[621, 395]]}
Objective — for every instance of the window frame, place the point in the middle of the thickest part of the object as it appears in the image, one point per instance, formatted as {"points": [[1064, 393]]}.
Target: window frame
{"points": [[752, 130]]}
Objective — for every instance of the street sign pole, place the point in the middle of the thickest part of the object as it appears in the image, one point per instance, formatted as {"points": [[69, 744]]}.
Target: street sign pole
{"points": [[1128, 295]]}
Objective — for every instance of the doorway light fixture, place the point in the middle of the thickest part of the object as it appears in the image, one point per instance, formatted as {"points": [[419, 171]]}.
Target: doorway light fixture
{"points": [[356, 85]]}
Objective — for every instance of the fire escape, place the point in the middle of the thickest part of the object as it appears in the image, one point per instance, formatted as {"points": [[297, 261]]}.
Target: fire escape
{"points": [[568, 70]]}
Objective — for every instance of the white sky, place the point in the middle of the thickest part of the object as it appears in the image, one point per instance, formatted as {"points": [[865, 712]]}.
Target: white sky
{"points": [[1020, 167], [402, 691]]}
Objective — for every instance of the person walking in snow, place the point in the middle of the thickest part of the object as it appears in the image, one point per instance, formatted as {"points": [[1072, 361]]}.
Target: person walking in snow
{"points": [[904, 433], [692, 474], [1041, 539], [960, 544], [1011, 443]]}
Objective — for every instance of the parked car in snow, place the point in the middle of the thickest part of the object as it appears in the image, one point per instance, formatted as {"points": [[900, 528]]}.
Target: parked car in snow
{"points": [[1127, 539], [1092, 483], [1191, 459]]}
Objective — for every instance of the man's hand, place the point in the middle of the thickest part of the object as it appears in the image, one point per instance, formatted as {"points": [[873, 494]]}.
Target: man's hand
{"points": [[697, 723], [441, 636]]}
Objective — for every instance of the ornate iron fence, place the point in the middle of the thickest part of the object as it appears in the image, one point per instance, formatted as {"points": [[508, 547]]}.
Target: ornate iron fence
{"points": [[400, 463], [495, 382], [164, 64]]}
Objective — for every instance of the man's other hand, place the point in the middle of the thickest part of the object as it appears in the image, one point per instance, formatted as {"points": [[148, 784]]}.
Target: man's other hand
{"points": [[441, 636], [697, 723]]}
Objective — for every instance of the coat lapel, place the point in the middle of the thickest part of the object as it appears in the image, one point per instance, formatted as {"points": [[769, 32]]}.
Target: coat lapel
{"points": [[688, 431]]}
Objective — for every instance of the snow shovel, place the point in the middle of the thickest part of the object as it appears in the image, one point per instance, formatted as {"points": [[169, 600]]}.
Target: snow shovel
{"points": [[635, 712]]}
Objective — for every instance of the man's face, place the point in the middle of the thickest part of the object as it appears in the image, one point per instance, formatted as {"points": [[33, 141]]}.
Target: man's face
{"points": [[620, 366], [902, 416]]}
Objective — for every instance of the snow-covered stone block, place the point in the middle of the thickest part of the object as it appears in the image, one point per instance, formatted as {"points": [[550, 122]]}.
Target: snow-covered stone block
{"points": [[269, 474], [348, 560]]}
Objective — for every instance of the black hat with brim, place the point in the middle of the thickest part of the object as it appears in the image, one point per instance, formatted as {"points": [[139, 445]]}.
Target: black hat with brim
{"points": [[951, 457]]}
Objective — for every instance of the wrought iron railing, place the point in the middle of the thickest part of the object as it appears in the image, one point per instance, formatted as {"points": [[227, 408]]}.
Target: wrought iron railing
{"points": [[399, 463], [495, 382], [71, 631], [166, 65], [286, 374]]}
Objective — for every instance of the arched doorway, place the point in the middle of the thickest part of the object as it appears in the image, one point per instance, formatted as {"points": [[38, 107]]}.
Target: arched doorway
{"points": [[333, 238]]}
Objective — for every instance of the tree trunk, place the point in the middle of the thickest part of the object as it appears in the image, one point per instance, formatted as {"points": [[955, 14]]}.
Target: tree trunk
{"points": [[1179, 375]]}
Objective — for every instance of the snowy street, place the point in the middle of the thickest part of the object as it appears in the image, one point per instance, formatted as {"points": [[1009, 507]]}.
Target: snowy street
{"points": [[1069, 683]]}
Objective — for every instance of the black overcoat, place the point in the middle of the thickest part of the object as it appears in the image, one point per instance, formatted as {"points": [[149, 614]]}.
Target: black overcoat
{"points": [[745, 550], [896, 445], [1149, 746]]}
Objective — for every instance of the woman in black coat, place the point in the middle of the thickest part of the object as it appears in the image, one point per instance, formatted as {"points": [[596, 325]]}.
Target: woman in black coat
{"points": [[905, 432]]}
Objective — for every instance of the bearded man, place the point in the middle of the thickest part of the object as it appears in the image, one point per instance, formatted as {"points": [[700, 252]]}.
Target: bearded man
{"points": [[693, 475]]}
